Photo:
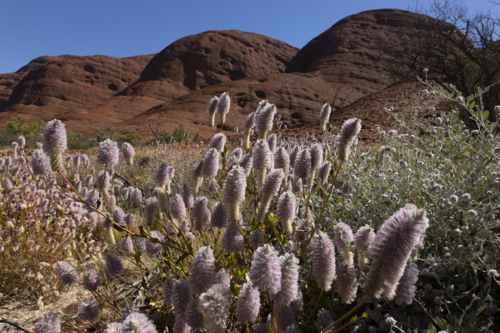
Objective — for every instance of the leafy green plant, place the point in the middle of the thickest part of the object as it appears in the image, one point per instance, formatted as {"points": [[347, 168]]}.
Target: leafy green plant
{"points": [[132, 138]]}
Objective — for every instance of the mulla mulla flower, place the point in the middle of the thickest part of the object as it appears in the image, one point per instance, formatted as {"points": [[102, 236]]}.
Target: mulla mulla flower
{"points": [[177, 207], [325, 318], [194, 316], [316, 152], [211, 163], [128, 153], [187, 195], [218, 142], [324, 116], [271, 141], [265, 270], [211, 110], [289, 279], [362, 239], [137, 322], [282, 161], [163, 176], [50, 323], [346, 281], [234, 192], [215, 303], [269, 189], [285, 211], [323, 260], [202, 270], [248, 304], [343, 239], [261, 161], [392, 247], [324, 172], [154, 248], [264, 119], [126, 244], [223, 106], [247, 130], [406, 287], [349, 131], [88, 311], [55, 143], [246, 163], [302, 166], [200, 213], [40, 163], [232, 240], [91, 280], [67, 274], [108, 153], [114, 266], [196, 176], [219, 216]]}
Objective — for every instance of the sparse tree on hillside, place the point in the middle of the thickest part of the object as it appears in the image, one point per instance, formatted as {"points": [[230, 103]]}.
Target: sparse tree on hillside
{"points": [[456, 47]]}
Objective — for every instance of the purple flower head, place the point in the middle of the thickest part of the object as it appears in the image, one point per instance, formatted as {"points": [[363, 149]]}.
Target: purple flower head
{"points": [[234, 186], [349, 131], [126, 244], [202, 270], [200, 213], [167, 291], [223, 104], [289, 279], [21, 141], [194, 316], [7, 184], [50, 323], [114, 265], [129, 219], [325, 318], [91, 280], [293, 155], [128, 152], [151, 209], [323, 260], [163, 175], [282, 160], [364, 236], [114, 328], [181, 296], [406, 287], [187, 195], [108, 153], [343, 239], [211, 163], [177, 207], [232, 240], [265, 271], [212, 105], [248, 304], [285, 210], [54, 137], [271, 141], [246, 163], [135, 196], [324, 116], [236, 155], [67, 274], [273, 182], [219, 216], [316, 152], [138, 323], [302, 166], [391, 249], [346, 281], [261, 155], [154, 248], [40, 163], [249, 122], [324, 172], [285, 318], [222, 277], [103, 180], [218, 142], [119, 216], [256, 239], [215, 304], [264, 119], [88, 311]]}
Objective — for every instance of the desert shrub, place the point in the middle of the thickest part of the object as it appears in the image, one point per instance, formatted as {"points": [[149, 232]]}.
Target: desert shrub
{"points": [[133, 138], [18, 126], [307, 235], [79, 141]]}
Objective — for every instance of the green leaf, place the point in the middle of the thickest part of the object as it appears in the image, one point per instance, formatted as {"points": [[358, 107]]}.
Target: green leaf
{"points": [[143, 232], [472, 104], [365, 314], [353, 319], [469, 98], [457, 130], [486, 114]]}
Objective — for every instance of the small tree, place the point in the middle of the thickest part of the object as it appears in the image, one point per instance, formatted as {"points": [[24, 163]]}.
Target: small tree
{"points": [[18, 126]]}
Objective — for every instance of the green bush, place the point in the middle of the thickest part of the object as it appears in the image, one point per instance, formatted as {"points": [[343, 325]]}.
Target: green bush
{"points": [[133, 138], [79, 141], [18, 126]]}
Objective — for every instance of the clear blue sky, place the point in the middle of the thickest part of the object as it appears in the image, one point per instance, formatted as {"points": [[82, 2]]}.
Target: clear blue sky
{"points": [[32, 28]]}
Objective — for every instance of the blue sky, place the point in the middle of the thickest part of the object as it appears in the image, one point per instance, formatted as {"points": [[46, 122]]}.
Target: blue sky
{"points": [[32, 28]]}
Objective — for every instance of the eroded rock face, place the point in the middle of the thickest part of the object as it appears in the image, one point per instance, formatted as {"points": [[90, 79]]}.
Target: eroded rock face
{"points": [[198, 61], [351, 50], [67, 81]]}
